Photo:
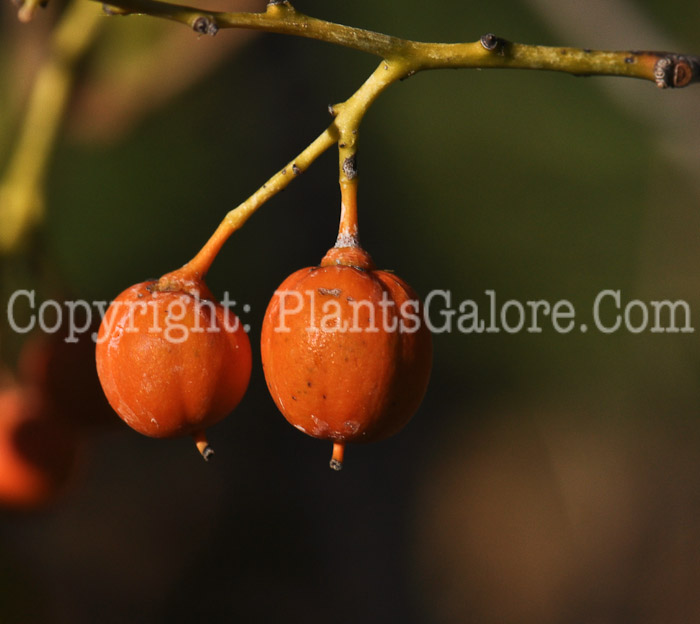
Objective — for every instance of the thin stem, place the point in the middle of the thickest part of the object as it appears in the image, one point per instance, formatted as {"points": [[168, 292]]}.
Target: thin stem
{"points": [[348, 116], [348, 232], [234, 220], [279, 18], [21, 190], [491, 52], [666, 69], [402, 59]]}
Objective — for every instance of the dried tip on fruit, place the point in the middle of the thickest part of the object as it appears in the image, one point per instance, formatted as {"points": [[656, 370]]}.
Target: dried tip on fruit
{"points": [[336, 462], [203, 447]]}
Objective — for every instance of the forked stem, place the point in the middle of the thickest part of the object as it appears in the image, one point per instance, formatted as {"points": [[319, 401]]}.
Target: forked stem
{"points": [[343, 131]]}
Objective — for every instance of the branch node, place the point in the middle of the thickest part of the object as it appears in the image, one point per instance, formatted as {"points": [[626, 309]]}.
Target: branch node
{"points": [[492, 43], [205, 25], [280, 5], [676, 71]]}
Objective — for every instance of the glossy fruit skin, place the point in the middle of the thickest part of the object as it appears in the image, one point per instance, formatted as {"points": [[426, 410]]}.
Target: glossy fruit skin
{"points": [[346, 386], [179, 380], [38, 453]]}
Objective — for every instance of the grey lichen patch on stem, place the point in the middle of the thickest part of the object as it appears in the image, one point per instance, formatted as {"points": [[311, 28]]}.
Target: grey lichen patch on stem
{"points": [[350, 167]]}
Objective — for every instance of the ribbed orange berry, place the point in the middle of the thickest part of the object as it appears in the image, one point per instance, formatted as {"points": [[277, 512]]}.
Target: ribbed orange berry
{"points": [[172, 361], [345, 351]]}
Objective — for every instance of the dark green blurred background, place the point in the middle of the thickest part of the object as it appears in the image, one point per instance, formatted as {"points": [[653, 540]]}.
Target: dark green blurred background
{"points": [[546, 477]]}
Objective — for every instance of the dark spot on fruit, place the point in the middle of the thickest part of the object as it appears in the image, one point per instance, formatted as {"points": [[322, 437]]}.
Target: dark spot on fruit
{"points": [[294, 398], [308, 383]]}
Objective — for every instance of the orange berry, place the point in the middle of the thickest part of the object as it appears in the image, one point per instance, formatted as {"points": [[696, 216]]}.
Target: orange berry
{"points": [[172, 361], [345, 352]]}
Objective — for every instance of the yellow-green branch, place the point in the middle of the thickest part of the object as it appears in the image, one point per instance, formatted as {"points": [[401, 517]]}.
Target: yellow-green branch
{"points": [[343, 130], [402, 58], [21, 190], [664, 68], [22, 186]]}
